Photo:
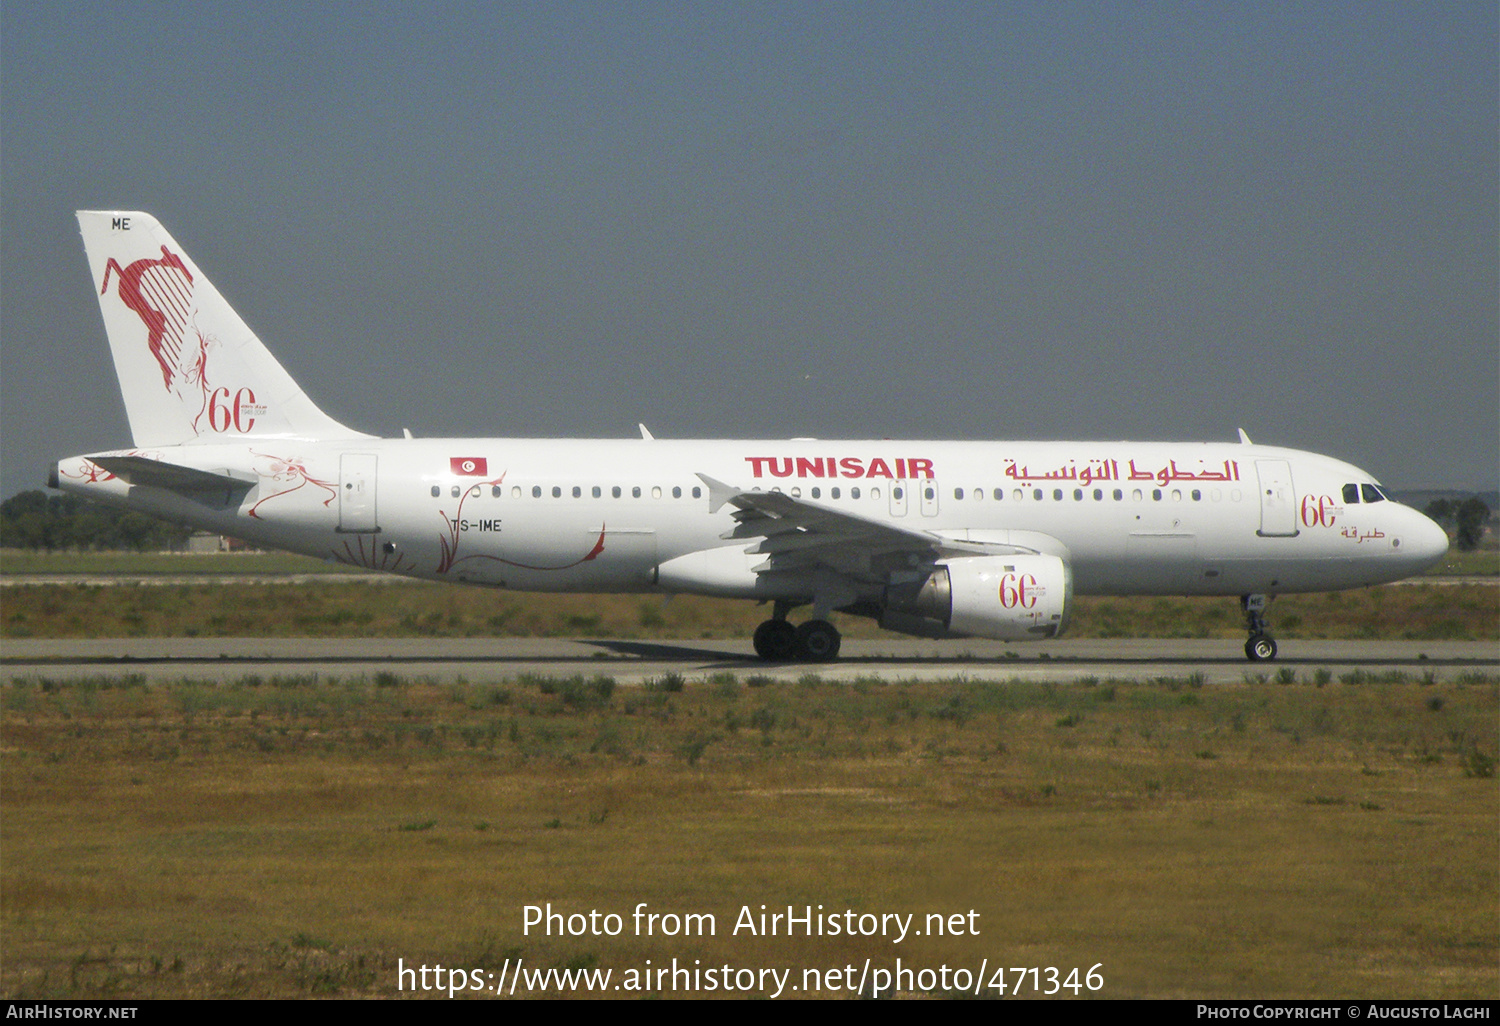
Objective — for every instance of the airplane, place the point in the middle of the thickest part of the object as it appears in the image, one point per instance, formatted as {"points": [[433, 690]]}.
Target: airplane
{"points": [[928, 538]]}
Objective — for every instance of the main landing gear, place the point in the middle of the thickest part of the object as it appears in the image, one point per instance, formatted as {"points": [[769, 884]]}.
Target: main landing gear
{"points": [[777, 641], [1261, 646]]}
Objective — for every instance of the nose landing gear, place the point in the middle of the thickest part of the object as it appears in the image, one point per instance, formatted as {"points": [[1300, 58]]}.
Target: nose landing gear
{"points": [[1261, 646]]}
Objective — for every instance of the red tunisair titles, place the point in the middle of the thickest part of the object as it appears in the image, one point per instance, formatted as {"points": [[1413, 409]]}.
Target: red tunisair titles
{"points": [[839, 466]]}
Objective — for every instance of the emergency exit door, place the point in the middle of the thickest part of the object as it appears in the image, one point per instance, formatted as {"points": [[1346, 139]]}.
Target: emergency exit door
{"points": [[357, 494], [1278, 502]]}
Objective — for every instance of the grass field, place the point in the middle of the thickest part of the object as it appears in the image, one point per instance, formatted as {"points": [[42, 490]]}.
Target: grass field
{"points": [[301, 837], [286, 837], [1428, 612], [219, 564], [1482, 562]]}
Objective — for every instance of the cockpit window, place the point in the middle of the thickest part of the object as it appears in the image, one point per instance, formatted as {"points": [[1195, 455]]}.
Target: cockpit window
{"points": [[1371, 493], [1351, 494]]}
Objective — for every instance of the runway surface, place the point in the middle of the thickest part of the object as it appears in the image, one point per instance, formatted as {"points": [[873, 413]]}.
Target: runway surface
{"points": [[636, 661]]}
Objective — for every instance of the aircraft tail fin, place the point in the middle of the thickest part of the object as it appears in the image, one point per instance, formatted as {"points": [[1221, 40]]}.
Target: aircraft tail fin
{"points": [[189, 368]]}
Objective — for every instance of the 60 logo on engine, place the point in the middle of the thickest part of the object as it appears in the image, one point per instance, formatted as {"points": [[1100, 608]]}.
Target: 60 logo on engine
{"points": [[1018, 591]]}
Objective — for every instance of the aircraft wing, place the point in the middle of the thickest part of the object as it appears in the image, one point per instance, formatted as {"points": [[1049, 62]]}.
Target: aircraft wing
{"points": [[797, 535]]}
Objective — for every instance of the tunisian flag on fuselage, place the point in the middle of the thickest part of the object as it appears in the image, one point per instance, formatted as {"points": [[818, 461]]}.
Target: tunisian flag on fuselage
{"points": [[468, 466]]}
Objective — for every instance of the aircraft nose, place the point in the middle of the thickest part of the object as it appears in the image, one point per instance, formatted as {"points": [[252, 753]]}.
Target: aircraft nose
{"points": [[1426, 541]]}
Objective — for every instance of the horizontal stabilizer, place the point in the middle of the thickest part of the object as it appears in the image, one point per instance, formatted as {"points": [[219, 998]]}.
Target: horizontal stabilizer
{"points": [[187, 481]]}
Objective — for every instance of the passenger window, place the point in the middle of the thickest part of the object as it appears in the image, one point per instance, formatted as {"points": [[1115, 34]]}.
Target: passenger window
{"points": [[1057, 495], [833, 492], [1119, 495], [896, 492], [597, 491], [556, 492], [615, 491], [1036, 493], [854, 492], [817, 493], [496, 491], [635, 493], [1197, 495], [676, 491], [697, 492], [515, 491], [931, 493], [455, 491], [577, 492], [1098, 494], [1156, 494], [436, 491], [656, 491], [1351, 494], [1077, 494], [1371, 493], [536, 491], [999, 494]]}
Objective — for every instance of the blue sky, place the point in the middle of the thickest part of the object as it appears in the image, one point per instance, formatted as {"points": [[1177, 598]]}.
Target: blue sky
{"points": [[769, 220]]}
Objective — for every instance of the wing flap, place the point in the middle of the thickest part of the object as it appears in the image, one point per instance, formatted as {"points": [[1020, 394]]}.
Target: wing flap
{"points": [[798, 536]]}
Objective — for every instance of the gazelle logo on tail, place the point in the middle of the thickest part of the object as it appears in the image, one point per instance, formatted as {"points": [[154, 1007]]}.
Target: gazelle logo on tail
{"points": [[167, 323], [163, 300], [160, 293]]}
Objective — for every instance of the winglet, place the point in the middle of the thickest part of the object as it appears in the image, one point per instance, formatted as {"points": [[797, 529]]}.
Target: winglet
{"points": [[718, 492], [1244, 438], [646, 436]]}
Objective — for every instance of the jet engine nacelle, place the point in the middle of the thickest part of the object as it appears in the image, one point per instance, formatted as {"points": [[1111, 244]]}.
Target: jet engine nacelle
{"points": [[1008, 598]]}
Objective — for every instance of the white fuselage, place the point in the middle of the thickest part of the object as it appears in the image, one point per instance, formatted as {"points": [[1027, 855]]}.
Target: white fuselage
{"points": [[636, 515]]}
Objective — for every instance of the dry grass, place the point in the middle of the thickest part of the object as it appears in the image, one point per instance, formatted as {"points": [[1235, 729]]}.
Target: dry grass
{"points": [[166, 564], [1425, 612], [297, 837]]}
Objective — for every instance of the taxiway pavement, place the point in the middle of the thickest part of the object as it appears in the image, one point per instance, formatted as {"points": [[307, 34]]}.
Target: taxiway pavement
{"points": [[1219, 661]]}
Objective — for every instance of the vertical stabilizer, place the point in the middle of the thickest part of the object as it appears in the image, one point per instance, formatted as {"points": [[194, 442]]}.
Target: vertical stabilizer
{"points": [[190, 370]]}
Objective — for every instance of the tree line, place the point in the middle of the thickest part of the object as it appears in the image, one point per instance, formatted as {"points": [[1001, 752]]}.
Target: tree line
{"points": [[40, 522], [1463, 520]]}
